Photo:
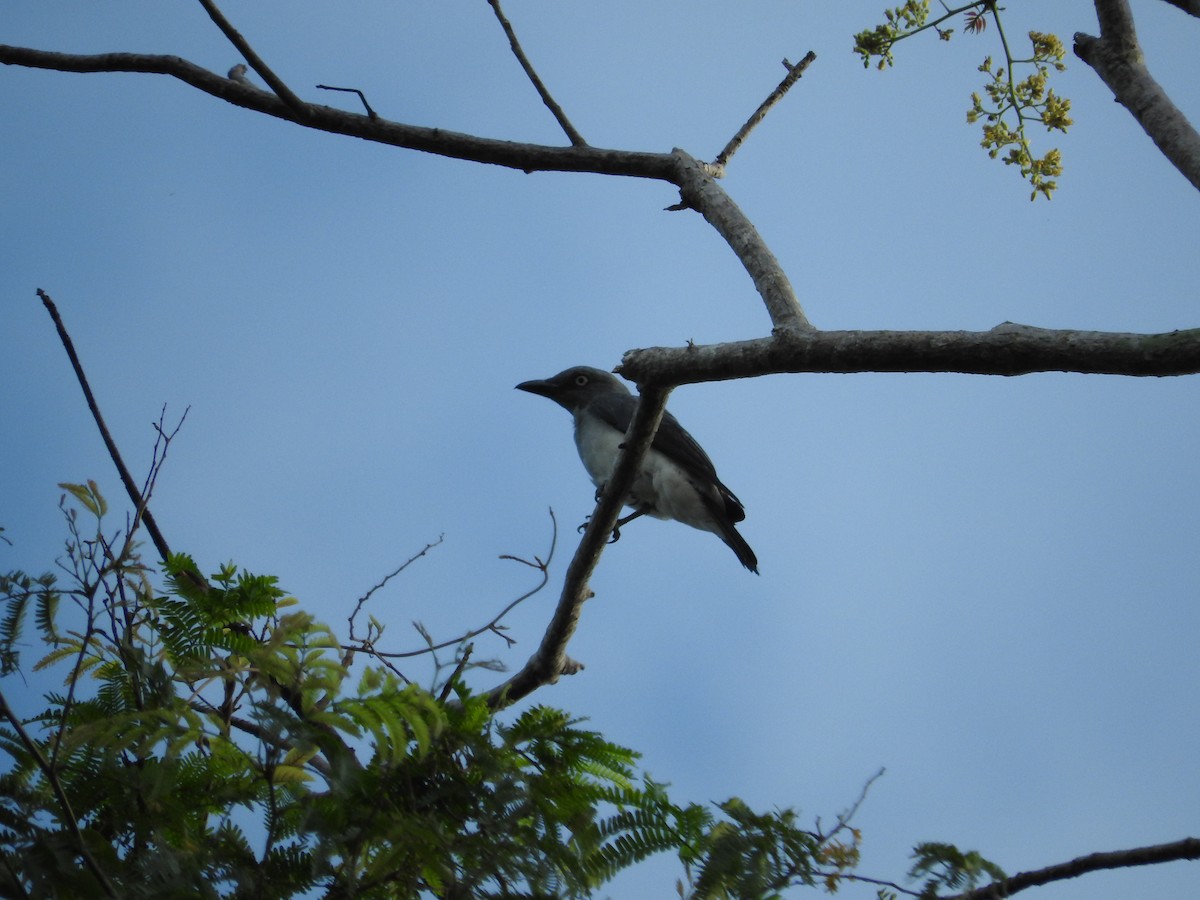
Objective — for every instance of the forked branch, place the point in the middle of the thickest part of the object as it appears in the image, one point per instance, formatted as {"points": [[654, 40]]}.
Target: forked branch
{"points": [[1117, 58], [274, 82]]}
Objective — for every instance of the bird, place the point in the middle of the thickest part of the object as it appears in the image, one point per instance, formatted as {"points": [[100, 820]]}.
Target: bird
{"points": [[676, 479]]}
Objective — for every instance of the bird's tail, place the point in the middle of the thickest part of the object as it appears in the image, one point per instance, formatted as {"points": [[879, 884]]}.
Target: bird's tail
{"points": [[738, 545]]}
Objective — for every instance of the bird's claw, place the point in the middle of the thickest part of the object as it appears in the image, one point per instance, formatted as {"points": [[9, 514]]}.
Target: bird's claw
{"points": [[616, 532]]}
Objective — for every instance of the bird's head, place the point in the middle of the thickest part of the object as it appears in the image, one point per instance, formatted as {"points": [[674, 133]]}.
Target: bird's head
{"points": [[576, 386]]}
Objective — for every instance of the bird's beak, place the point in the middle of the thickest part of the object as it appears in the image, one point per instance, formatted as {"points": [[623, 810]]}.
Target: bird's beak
{"points": [[539, 386]]}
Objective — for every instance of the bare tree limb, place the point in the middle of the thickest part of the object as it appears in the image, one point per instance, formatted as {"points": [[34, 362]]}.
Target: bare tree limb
{"points": [[1188, 848], [1007, 349], [439, 141], [1117, 58], [699, 190], [793, 75], [550, 660], [131, 488], [564, 123], [274, 82]]}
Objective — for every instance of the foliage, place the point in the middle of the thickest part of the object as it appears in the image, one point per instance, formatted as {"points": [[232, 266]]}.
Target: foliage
{"points": [[1012, 103], [211, 741], [944, 865]]}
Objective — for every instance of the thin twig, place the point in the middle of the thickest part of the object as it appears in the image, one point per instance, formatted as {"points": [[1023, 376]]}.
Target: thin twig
{"points": [[458, 670], [561, 117], [56, 786], [131, 488], [371, 114], [793, 75], [492, 626], [866, 879], [843, 819], [386, 578], [264, 71]]}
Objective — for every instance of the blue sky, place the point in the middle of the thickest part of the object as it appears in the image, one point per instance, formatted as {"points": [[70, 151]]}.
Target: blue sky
{"points": [[987, 586]]}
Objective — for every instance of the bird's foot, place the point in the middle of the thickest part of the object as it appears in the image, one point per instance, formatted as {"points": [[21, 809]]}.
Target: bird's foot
{"points": [[616, 534]]}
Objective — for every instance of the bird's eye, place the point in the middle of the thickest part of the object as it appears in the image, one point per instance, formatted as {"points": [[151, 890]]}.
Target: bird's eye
{"points": [[581, 380]]}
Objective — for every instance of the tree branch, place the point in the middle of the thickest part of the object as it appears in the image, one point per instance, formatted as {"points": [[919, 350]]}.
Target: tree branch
{"points": [[274, 82], [131, 488], [1007, 349], [1188, 848], [550, 660], [367, 645], [698, 190], [1192, 7], [793, 75], [1117, 58], [564, 123], [439, 141]]}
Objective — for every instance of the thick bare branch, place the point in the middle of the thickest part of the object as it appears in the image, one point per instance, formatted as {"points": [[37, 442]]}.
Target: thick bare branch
{"points": [[550, 660], [1188, 848], [699, 191], [564, 123], [1117, 58], [1007, 349]]}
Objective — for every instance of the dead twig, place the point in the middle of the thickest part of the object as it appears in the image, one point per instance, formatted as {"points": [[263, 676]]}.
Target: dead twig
{"points": [[793, 75], [131, 488], [367, 644], [371, 114], [561, 117]]}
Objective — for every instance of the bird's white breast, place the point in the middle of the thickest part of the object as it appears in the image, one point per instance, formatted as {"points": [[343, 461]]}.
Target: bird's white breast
{"points": [[661, 488]]}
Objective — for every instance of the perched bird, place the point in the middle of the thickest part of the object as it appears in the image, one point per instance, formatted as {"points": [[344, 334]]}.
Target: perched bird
{"points": [[676, 480]]}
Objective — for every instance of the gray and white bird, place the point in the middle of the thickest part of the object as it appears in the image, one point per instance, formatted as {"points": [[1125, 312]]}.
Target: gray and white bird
{"points": [[676, 480]]}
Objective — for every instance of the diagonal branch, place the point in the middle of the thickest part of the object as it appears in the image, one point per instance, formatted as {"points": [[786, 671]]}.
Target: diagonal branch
{"points": [[550, 660], [131, 488], [264, 71], [1117, 58], [793, 75], [1188, 848], [561, 117], [698, 190]]}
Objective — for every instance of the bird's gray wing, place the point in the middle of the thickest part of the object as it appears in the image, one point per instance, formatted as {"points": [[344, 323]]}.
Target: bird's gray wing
{"points": [[614, 409]]}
